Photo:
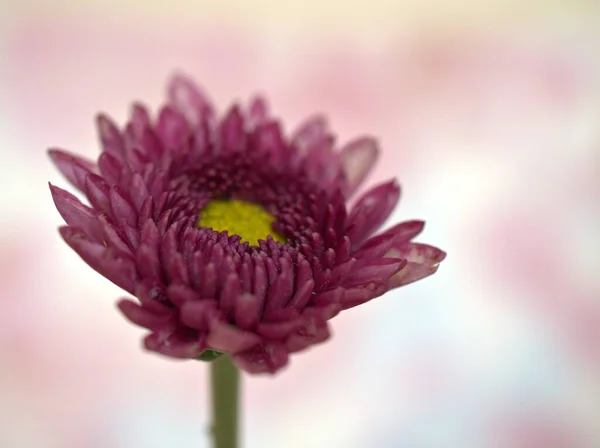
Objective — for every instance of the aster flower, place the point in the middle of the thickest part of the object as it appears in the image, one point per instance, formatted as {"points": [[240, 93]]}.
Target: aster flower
{"points": [[233, 237]]}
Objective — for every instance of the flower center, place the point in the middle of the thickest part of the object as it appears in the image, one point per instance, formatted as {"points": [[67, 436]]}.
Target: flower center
{"points": [[250, 221]]}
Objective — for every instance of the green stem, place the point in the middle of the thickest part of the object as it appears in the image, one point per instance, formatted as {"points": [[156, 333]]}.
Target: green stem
{"points": [[225, 385]]}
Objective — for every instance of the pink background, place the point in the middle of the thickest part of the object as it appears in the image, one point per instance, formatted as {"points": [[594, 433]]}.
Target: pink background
{"points": [[488, 115]]}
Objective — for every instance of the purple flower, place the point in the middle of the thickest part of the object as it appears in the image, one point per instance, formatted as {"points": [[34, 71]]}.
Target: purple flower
{"points": [[233, 237]]}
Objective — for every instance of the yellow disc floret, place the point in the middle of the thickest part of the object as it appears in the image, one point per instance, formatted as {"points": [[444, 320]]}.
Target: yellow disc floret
{"points": [[250, 221]]}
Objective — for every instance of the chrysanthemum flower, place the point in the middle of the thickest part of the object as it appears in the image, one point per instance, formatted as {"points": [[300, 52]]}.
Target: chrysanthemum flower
{"points": [[233, 237]]}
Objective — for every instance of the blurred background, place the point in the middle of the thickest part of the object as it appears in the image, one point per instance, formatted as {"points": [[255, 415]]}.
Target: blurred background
{"points": [[488, 112]]}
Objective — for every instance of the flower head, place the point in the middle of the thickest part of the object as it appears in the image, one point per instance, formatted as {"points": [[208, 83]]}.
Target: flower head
{"points": [[234, 238]]}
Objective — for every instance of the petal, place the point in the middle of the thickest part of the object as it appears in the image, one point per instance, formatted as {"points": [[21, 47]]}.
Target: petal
{"points": [[229, 339], [405, 231], [297, 342], [172, 128], [118, 269], [358, 158], [377, 271], [110, 137], [423, 260], [418, 253], [97, 191], [75, 213], [258, 111], [181, 294], [199, 314], [71, 166], [232, 132], [310, 133], [266, 359], [189, 100], [372, 209], [139, 315], [174, 345], [122, 210], [247, 311]]}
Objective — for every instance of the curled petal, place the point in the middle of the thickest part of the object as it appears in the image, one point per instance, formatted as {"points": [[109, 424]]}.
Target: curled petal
{"points": [[229, 339], [172, 128], [141, 316], [174, 345], [310, 133], [189, 100], [247, 309], [266, 359], [423, 260], [372, 209], [71, 166], [377, 271], [258, 111], [110, 137], [75, 213], [358, 159], [198, 314]]}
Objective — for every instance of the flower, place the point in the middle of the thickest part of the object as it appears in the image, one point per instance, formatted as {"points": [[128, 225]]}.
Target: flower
{"points": [[234, 238]]}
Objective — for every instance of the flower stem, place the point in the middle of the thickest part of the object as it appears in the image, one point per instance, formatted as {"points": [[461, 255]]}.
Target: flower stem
{"points": [[225, 385]]}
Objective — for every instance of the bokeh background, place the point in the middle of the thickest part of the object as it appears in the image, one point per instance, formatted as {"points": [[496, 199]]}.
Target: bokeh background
{"points": [[488, 112]]}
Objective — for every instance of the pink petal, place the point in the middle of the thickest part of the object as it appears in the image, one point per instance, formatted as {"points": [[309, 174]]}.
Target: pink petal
{"points": [[71, 166], [372, 209], [266, 359], [229, 339], [110, 137], [199, 314], [377, 271], [247, 311], [187, 97], [174, 346], [258, 111], [358, 159], [141, 316], [75, 213], [232, 131], [172, 128], [310, 133]]}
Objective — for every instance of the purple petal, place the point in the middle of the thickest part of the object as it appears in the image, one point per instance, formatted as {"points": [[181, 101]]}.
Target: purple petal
{"points": [[247, 309], [281, 289], [229, 339], [181, 294], [113, 236], [310, 133], [199, 314], [141, 316], [110, 137], [174, 346], [258, 111], [358, 158], [377, 271], [110, 168], [122, 210], [140, 119], [232, 132], [266, 359], [372, 209], [75, 213], [187, 97], [97, 191], [71, 166], [302, 296], [172, 128], [423, 260], [297, 342]]}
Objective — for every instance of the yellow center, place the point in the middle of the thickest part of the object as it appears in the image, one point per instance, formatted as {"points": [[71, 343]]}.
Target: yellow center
{"points": [[250, 221]]}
